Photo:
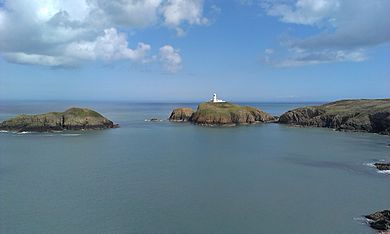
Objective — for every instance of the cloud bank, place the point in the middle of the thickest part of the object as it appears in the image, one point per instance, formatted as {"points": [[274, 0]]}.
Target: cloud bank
{"points": [[347, 30], [68, 33]]}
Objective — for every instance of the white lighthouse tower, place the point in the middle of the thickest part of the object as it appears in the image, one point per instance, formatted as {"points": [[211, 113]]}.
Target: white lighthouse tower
{"points": [[215, 99]]}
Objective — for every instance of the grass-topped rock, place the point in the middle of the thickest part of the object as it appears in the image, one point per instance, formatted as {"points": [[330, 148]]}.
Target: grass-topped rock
{"points": [[71, 119], [223, 114], [368, 115]]}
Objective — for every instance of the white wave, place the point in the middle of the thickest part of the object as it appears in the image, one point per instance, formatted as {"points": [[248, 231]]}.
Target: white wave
{"points": [[384, 172], [3, 131], [24, 132], [71, 134], [372, 164], [369, 164], [362, 220]]}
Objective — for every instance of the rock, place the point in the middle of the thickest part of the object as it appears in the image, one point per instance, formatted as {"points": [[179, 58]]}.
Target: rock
{"points": [[71, 119], [153, 120], [209, 113], [382, 166], [354, 115], [380, 220], [181, 114]]}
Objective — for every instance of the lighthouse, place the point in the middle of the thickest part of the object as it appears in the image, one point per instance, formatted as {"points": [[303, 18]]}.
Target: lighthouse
{"points": [[215, 99]]}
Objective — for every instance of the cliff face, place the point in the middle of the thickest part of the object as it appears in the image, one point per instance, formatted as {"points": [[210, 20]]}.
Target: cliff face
{"points": [[181, 114], [71, 119], [355, 115], [209, 113]]}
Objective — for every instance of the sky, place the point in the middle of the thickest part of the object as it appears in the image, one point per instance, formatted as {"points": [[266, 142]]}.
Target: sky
{"points": [[185, 50]]}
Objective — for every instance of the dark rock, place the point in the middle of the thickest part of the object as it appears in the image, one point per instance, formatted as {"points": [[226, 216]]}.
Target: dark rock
{"points": [[71, 119], [382, 166], [380, 220], [353, 115]]}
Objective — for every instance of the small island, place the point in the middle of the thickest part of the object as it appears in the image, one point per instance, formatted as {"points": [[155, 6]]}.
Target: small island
{"points": [[217, 112], [71, 119], [366, 115]]}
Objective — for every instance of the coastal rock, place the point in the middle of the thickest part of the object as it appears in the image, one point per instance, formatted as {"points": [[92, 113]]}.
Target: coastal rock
{"points": [[181, 114], [382, 166], [225, 113], [71, 119], [380, 220], [354, 115]]}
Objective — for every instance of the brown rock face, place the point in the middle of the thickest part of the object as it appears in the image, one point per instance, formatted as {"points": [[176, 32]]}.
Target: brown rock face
{"points": [[71, 119], [355, 115], [181, 114]]}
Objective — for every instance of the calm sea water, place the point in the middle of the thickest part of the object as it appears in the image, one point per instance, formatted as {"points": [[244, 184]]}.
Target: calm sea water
{"points": [[148, 177]]}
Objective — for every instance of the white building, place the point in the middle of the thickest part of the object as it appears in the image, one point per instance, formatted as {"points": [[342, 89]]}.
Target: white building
{"points": [[215, 99]]}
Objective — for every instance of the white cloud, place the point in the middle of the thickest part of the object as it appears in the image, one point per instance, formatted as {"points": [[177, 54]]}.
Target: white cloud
{"points": [[303, 11], [170, 58], [134, 13], [62, 32], [299, 58], [38, 59], [111, 46], [175, 12], [347, 29]]}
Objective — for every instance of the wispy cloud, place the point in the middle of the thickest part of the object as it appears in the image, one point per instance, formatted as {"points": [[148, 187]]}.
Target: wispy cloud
{"points": [[347, 30]]}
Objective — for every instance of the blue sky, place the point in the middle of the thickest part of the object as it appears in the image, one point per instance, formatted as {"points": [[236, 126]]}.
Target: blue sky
{"points": [[184, 50]]}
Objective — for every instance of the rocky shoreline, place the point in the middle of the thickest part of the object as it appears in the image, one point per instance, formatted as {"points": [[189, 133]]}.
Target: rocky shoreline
{"points": [[71, 119], [346, 115]]}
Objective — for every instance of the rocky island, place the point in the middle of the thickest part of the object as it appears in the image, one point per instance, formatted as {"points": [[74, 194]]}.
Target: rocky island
{"points": [[367, 115], [221, 114], [71, 119]]}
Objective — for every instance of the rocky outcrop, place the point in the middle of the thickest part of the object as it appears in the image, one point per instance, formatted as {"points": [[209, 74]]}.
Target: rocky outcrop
{"points": [[382, 166], [220, 114], [354, 115], [71, 119], [181, 114], [209, 113], [380, 220]]}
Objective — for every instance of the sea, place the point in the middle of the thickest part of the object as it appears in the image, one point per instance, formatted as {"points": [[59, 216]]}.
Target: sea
{"points": [[163, 177]]}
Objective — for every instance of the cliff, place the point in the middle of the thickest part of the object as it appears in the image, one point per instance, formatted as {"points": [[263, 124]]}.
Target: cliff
{"points": [[71, 119], [355, 115], [181, 114]]}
